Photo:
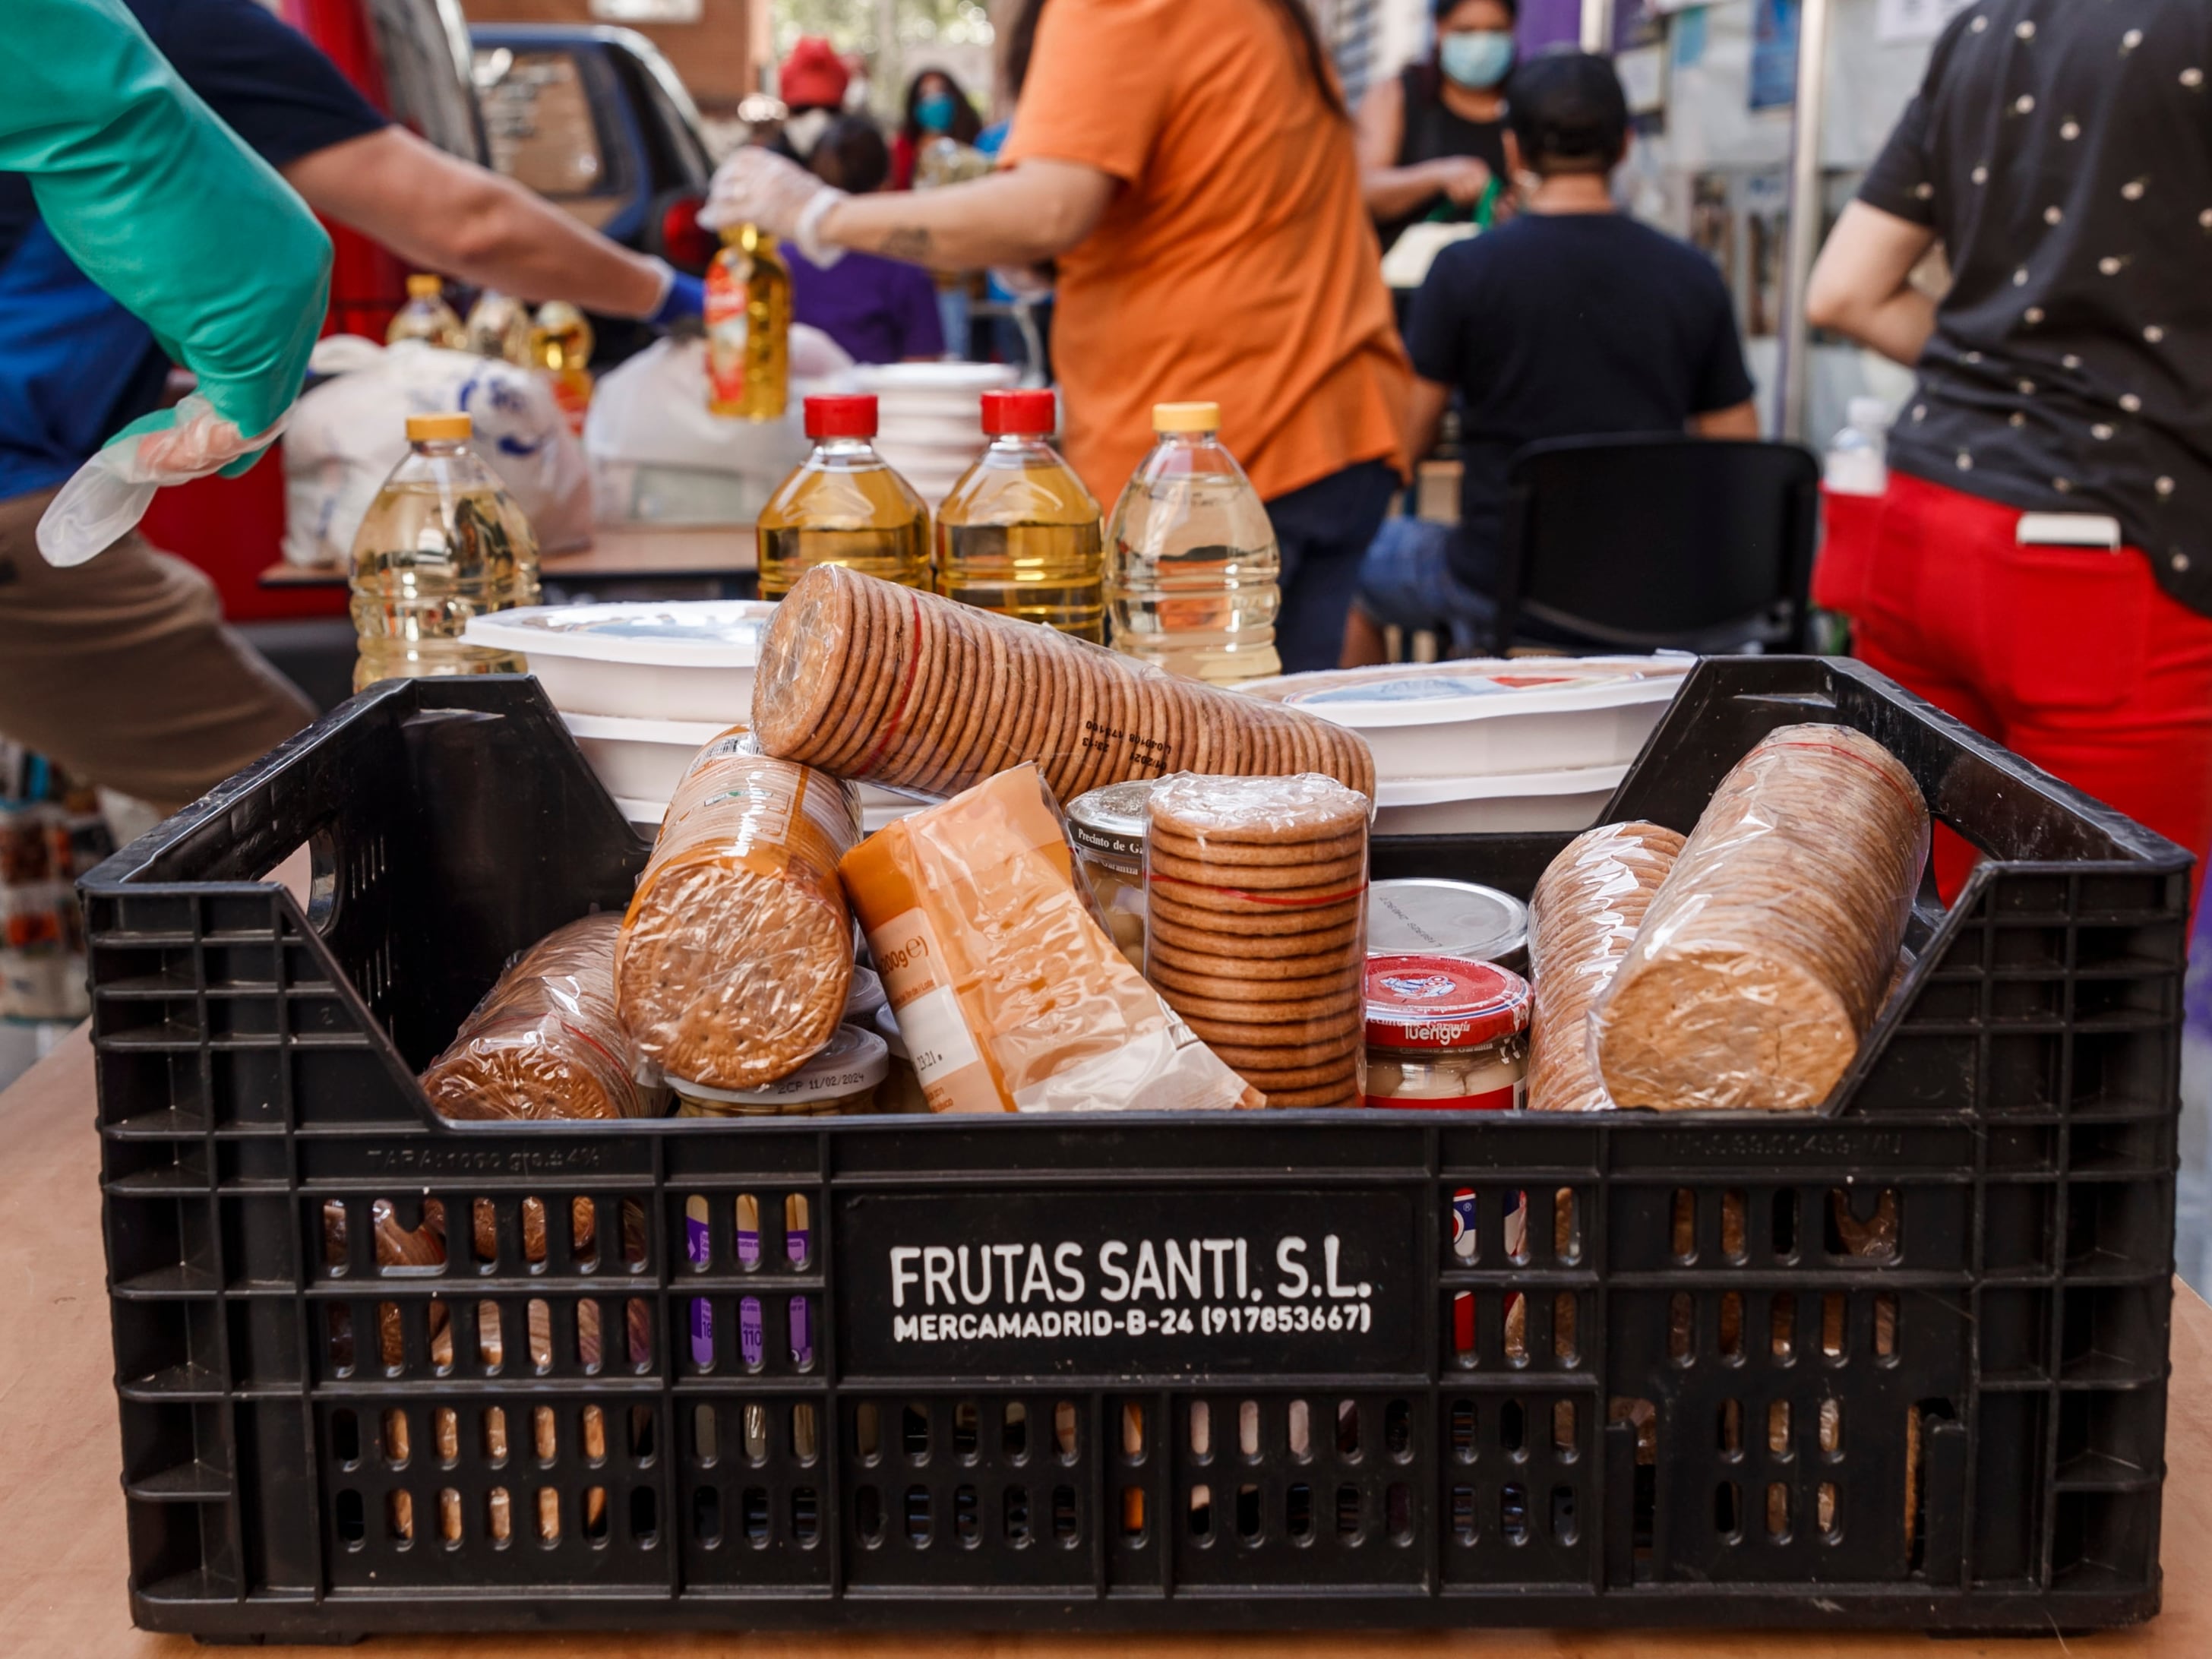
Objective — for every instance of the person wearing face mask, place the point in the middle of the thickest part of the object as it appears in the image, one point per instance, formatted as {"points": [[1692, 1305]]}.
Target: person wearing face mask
{"points": [[935, 108], [1432, 142], [812, 83]]}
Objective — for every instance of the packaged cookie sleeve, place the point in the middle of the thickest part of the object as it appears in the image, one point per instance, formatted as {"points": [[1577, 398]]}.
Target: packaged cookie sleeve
{"points": [[1765, 957], [546, 1042], [736, 955], [1009, 993], [1582, 919], [911, 691], [1255, 891]]}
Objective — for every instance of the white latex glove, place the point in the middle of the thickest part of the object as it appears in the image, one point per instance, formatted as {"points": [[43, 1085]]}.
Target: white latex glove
{"points": [[110, 493], [757, 186]]}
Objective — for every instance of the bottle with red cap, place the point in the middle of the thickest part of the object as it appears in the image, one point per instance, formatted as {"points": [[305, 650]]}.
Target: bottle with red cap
{"points": [[1019, 534], [844, 506]]}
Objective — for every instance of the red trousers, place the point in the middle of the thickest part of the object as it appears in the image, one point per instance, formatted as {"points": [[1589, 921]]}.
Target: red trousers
{"points": [[2072, 657]]}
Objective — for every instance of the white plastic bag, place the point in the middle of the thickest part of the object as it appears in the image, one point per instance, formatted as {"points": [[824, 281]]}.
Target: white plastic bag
{"points": [[107, 495], [349, 432], [657, 453]]}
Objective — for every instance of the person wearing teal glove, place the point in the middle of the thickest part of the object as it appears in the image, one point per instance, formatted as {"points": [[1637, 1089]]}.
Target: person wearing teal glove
{"points": [[139, 187], [161, 204]]}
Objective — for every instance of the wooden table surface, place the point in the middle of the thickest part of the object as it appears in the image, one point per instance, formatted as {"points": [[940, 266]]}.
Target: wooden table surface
{"points": [[618, 553], [61, 1539]]}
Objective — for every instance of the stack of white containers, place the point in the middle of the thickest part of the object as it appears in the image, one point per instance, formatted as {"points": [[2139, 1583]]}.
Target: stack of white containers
{"points": [[1485, 745], [930, 418], [644, 685]]}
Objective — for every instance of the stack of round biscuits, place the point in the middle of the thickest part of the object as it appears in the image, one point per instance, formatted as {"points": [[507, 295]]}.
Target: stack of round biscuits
{"points": [[1582, 919], [1254, 897], [1765, 956], [887, 685]]}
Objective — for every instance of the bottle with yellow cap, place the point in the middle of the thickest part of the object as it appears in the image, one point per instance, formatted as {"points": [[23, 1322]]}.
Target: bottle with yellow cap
{"points": [[499, 326], [443, 542], [426, 316], [1192, 572]]}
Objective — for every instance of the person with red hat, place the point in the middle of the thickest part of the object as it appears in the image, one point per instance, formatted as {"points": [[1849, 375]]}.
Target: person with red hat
{"points": [[812, 83]]}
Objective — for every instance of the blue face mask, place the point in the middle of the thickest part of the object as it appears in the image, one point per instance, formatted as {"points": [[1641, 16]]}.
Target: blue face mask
{"points": [[934, 112], [1476, 57]]}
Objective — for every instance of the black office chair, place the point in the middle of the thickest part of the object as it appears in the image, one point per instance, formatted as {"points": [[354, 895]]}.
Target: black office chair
{"points": [[1658, 542]]}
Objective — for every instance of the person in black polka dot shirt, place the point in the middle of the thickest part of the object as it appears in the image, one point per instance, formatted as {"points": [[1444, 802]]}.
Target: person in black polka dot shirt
{"points": [[2061, 153]]}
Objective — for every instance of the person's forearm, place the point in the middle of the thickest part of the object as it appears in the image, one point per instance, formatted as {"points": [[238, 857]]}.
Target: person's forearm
{"points": [[522, 245], [1019, 217], [440, 213], [1390, 192], [1897, 327]]}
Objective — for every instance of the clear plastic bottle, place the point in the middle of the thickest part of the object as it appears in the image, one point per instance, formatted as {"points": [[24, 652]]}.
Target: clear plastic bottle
{"points": [[426, 316], [499, 326], [1019, 534], [1193, 570], [560, 342], [748, 327], [443, 542], [843, 505], [1857, 462]]}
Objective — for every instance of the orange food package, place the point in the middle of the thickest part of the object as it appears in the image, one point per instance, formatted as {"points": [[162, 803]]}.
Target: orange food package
{"points": [[737, 953], [1010, 994]]}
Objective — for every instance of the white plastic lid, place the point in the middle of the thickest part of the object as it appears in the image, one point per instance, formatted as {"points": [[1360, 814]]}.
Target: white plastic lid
{"points": [[1500, 786], [886, 1026], [865, 997], [685, 634], [852, 1060], [1444, 694], [1871, 414], [1457, 919], [617, 728], [976, 378]]}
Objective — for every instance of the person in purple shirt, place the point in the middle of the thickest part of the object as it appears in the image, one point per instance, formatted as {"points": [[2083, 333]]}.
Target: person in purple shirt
{"points": [[880, 310]]}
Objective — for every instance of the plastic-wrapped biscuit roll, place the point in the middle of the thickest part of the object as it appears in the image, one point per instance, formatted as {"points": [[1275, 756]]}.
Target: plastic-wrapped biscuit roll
{"points": [[891, 686], [1255, 898], [1763, 960], [546, 1042], [1010, 993], [1582, 919], [737, 954]]}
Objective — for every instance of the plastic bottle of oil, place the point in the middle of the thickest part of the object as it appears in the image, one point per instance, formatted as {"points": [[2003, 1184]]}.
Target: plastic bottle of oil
{"points": [[843, 506], [560, 343], [443, 542], [1019, 534], [748, 326], [499, 326], [426, 316], [1193, 567]]}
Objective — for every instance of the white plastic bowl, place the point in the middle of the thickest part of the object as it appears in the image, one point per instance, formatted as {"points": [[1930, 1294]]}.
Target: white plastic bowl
{"points": [[1490, 718], [877, 808], [639, 659], [1496, 805], [641, 760]]}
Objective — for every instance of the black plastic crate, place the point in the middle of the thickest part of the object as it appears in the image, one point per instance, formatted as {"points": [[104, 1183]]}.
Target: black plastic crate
{"points": [[1295, 1395]]}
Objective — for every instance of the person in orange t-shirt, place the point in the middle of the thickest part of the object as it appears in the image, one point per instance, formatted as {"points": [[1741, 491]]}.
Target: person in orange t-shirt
{"points": [[1192, 169]]}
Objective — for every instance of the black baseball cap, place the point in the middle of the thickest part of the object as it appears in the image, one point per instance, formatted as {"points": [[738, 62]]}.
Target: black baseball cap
{"points": [[1567, 107]]}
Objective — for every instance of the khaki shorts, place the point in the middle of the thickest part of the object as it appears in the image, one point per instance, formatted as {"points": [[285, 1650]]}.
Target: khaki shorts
{"points": [[121, 671]]}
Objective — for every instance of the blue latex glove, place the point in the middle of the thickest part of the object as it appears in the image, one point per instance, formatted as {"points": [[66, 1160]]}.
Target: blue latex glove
{"points": [[686, 297], [158, 203]]}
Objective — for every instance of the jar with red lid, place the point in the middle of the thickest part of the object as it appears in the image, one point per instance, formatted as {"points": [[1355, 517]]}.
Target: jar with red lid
{"points": [[1446, 1035]]}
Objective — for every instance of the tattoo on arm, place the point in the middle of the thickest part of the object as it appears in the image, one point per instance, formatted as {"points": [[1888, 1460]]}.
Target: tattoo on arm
{"points": [[911, 242]]}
